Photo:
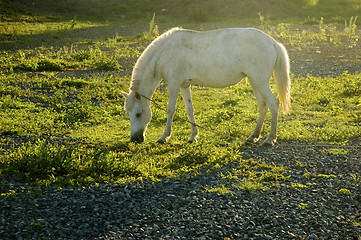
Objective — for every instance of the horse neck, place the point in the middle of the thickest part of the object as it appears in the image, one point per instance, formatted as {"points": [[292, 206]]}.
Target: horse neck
{"points": [[145, 75], [146, 82]]}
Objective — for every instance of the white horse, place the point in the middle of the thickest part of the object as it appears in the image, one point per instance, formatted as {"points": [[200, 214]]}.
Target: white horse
{"points": [[217, 58]]}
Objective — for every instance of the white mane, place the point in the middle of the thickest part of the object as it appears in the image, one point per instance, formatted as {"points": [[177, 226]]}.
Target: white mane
{"points": [[144, 62]]}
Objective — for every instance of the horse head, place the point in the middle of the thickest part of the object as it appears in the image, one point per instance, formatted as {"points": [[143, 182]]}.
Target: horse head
{"points": [[139, 112]]}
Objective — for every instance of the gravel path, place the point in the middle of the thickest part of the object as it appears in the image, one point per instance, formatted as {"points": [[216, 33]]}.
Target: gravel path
{"points": [[181, 209]]}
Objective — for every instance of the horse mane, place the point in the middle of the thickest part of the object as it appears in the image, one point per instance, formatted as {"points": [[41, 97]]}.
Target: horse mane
{"points": [[144, 62]]}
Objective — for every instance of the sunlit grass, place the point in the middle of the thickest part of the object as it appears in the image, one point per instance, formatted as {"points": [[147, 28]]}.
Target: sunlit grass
{"points": [[24, 28], [84, 130], [61, 130]]}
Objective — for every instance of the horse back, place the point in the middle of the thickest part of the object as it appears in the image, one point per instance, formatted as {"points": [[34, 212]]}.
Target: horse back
{"points": [[216, 58]]}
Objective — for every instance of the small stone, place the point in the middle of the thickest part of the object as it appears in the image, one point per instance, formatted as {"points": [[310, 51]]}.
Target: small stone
{"points": [[313, 236]]}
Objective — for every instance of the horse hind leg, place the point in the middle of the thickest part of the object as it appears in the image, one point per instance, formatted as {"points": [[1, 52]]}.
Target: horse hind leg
{"points": [[272, 104], [187, 99], [262, 107]]}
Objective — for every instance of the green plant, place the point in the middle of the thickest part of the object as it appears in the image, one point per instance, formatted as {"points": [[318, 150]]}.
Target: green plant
{"points": [[350, 28], [81, 55], [106, 64], [303, 206], [326, 176], [10, 194], [336, 151], [307, 174], [36, 225], [354, 177], [251, 186], [344, 191], [298, 185], [76, 111], [153, 31], [220, 190]]}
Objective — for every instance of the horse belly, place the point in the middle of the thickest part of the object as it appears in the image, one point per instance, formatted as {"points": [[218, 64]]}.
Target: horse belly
{"points": [[217, 75]]}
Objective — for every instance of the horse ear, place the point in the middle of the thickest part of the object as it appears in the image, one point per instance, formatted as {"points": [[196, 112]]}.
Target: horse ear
{"points": [[137, 95], [124, 94]]}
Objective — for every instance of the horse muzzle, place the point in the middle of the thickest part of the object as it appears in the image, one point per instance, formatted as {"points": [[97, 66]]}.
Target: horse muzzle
{"points": [[137, 137]]}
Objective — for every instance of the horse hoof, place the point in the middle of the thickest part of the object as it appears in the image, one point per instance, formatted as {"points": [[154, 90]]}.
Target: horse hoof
{"points": [[252, 140], [268, 144], [192, 141]]}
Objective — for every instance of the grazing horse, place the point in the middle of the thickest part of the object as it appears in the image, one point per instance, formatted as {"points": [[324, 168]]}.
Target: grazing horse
{"points": [[218, 58]]}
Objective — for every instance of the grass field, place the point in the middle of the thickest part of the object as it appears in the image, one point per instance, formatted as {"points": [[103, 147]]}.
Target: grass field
{"points": [[63, 66]]}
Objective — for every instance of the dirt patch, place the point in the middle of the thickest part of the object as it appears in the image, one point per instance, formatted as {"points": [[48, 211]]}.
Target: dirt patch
{"points": [[325, 59]]}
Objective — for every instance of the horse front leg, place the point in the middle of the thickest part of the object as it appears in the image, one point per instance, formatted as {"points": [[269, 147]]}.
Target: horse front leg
{"points": [[172, 100], [187, 99]]}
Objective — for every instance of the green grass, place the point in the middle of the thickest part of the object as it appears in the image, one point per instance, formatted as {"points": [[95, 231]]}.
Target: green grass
{"points": [[183, 11], [61, 128], [84, 131]]}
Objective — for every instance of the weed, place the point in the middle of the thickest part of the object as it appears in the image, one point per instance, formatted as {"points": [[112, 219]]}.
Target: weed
{"points": [[45, 64], [75, 112], [356, 224], [106, 64], [354, 177], [49, 65], [351, 87], [298, 185], [76, 83], [36, 225], [336, 151], [10, 194], [251, 186], [344, 191], [153, 31], [350, 28], [326, 176], [299, 164], [303, 206], [81, 55], [220, 190]]}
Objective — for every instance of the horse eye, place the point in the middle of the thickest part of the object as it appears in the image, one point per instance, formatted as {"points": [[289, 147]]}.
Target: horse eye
{"points": [[138, 115]]}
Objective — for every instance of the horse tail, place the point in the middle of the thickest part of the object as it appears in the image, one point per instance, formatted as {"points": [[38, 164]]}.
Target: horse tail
{"points": [[281, 73]]}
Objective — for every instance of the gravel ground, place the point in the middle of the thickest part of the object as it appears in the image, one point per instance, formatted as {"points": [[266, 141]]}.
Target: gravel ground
{"points": [[181, 209]]}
